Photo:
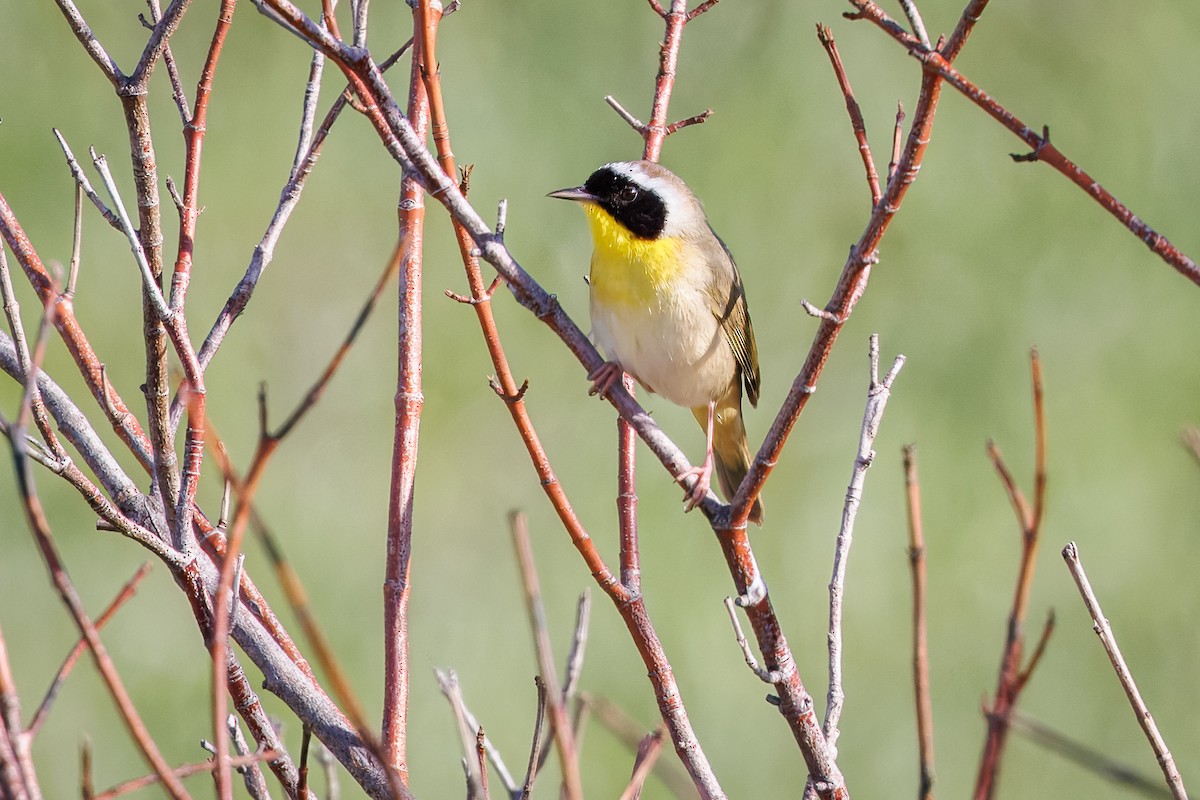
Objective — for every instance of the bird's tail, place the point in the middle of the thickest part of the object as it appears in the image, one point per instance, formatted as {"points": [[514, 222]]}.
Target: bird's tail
{"points": [[731, 454]]}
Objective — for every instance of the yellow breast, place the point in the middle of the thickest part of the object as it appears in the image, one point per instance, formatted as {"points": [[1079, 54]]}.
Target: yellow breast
{"points": [[628, 271]]}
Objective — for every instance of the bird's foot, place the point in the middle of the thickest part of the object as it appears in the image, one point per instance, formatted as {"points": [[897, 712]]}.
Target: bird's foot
{"points": [[699, 490], [604, 377]]}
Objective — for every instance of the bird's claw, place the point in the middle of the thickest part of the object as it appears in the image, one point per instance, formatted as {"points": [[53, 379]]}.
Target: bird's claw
{"points": [[604, 377], [699, 490]]}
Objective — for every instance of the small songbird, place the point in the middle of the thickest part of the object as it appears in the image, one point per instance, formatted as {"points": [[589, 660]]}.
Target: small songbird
{"points": [[668, 307]]}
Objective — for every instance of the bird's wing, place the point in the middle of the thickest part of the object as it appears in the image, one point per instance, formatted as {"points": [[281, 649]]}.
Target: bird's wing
{"points": [[729, 307]]}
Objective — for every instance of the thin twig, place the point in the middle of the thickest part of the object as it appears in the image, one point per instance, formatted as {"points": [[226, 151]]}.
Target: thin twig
{"points": [[1100, 624], [920, 633], [825, 36], [76, 243], [1038, 651], [1012, 678], [568, 757], [536, 746], [18, 777], [481, 762], [66, 589], [148, 281], [449, 686], [123, 596], [648, 751], [918, 24], [471, 723], [184, 771], [763, 675], [878, 393], [252, 775], [583, 614], [624, 114], [939, 63], [81, 180], [897, 141]]}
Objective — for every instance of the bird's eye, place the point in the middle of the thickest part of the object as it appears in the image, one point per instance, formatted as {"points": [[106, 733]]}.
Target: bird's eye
{"points": [[627, 194]]}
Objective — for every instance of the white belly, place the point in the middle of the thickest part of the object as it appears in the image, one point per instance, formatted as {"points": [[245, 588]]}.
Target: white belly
{"points": [[674, 346]]}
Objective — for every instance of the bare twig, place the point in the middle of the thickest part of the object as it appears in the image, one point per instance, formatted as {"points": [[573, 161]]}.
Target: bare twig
{"points": [[939, 63], [149, 283], [1012, 678], [878, 393], [897, 141], [81, 180], [920, 646], [448, 683], [292, 586], [568, 757], [624, 114], [918, 24], [583, 614], [18, 778], [41, 530], [481, 762], [252, 775], [1100, 624], [123, 596], [763, 675], [187, 770], [535, 747], [648, 751], [825, 36], [471, 723], [305, 743]]}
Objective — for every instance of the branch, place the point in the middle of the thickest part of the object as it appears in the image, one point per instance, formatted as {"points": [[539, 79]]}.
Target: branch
{"points": [[406, 430], [568, 756], [920, 633], [62, 582], [1100, 624], [825, 36], [878, 394], [123, 596], [1012, 677], [939, 63]]}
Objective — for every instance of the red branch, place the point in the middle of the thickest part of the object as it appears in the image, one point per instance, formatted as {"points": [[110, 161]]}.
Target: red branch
{"points": [[409, 402], [66, 589], [68, 664], [920, 633], [938, 63], [1012, 678], [625, 595]]}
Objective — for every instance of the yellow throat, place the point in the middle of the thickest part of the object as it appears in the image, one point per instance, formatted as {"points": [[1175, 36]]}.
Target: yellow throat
{"points": [[627, 270]]}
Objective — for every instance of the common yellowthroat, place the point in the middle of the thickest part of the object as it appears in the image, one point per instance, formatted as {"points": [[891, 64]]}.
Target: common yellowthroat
{"points": [[668, 307]]}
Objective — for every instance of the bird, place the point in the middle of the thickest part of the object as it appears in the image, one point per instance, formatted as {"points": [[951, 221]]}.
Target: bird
{"points": [[668, 307]]}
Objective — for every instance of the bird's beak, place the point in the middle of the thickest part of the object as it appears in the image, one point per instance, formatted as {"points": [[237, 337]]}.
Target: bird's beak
{"points": [[576, 193]]}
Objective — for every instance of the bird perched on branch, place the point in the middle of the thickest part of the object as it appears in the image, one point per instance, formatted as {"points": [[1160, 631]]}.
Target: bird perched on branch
{"points": [[668, 307]]}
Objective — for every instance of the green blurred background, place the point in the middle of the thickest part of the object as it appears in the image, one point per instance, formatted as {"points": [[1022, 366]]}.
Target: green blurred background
{"points": [[985, 259]]}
